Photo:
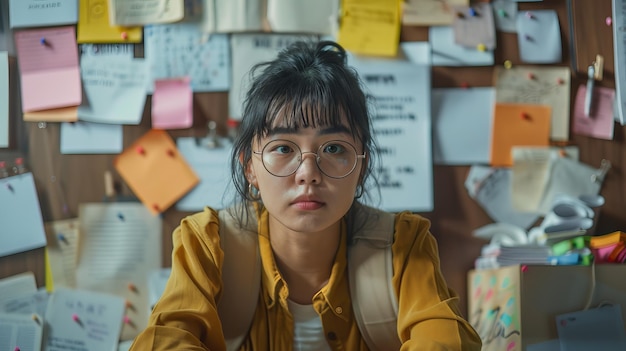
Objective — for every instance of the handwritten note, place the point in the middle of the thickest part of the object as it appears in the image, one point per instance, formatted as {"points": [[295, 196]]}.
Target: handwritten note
{"points": [[142, 12], [42, 13], [429, 12], [115, 89], [83, 320]]}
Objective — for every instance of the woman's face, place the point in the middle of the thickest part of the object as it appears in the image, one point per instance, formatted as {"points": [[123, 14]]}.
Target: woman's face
{"points": [[306, 200]]}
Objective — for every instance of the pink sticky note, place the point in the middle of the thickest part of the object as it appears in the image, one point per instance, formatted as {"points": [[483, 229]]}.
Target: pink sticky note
{"points": [[172, 104], [49, 69], [599, 124]]}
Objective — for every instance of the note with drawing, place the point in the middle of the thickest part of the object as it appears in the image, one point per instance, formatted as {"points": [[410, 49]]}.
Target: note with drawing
{"points": [[49, 69], [538, 85], [83, 320]]}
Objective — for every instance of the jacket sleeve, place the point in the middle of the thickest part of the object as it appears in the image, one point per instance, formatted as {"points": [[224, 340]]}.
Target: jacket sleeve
{"points": [[428, 313], [185, 317]]}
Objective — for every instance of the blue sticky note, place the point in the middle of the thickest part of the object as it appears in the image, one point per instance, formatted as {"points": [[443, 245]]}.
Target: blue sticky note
{"points": [[539, 36]]}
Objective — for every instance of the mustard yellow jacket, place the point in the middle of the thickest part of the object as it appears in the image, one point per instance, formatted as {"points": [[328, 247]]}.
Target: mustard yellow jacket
{"points": [[185, 318]]}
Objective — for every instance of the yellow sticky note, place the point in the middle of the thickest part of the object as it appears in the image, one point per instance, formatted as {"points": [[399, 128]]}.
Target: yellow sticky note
{"points": [[93, 25], [155, 171], [518, 125], [370, 27]]}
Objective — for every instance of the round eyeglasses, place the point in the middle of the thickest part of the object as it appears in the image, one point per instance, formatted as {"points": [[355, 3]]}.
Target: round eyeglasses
{"points": [[335, 158]]}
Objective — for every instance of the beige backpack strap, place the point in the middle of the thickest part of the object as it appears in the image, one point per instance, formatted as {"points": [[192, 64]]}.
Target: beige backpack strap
{"points": [[241, 277], [370, 267]]}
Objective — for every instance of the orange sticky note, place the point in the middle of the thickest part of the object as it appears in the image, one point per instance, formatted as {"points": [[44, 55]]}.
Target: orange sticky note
{"points": [[155, 171], [518, 125]]}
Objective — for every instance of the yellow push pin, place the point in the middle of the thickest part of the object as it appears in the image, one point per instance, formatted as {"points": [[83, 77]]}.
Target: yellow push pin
{"points": [[481, 47], [508, 64]]}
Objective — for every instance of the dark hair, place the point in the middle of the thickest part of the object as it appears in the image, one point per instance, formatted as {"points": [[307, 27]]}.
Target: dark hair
{"points": [[309, 84]]}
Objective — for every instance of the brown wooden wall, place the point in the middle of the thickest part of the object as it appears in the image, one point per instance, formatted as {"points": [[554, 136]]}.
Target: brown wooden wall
{"points": [[80, 178]]}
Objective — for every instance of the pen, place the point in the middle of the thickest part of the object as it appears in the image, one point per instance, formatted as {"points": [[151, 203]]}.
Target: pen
{"points": [[589, 94]]}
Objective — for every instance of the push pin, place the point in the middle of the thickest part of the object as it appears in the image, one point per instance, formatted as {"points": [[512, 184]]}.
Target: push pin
{"points": [[481, 47], [36, 318], [531, 76], [508, 64], [76, 319], [472, 12], [10, 187], [62, 238], [124, 35], [560, 81], [502, 13], [120, 216], [132, 287], [43, 41], [562, 153], [525, 116], [171, 153], [529, 15], [140, 150]]}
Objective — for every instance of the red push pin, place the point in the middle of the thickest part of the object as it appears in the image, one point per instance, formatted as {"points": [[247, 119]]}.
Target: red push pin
{"points": [[171, 153], [524, 268], [464, 85], [76, 319], [132, 287], [525, 116], [531, 75], [140, 150], [124, 35], [155, 207], [560, 81]]}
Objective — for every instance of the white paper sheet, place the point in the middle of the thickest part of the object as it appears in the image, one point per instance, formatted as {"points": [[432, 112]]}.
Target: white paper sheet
{"points": [[248, 50], [114, 89], [83, 320], [445, 52], [21, 332], [402, 127], [120, 245], [457, 111], [212, 165], [303, 16]]}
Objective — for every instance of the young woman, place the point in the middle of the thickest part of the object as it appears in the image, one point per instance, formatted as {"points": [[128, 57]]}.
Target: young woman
{"points": [[304, 154]]}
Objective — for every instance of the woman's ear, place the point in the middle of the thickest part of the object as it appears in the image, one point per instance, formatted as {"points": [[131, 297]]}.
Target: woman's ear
{"points": [[248, 169]]}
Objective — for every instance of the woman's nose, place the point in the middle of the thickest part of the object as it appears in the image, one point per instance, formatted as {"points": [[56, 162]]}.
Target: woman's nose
{"points": [[308, 172]]}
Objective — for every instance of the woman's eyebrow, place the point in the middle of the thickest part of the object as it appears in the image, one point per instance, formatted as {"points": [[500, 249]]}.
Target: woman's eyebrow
{"points": [[339, 129]]}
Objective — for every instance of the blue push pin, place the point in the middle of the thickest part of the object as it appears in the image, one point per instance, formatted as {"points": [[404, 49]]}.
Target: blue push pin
{"points": [[42, 41], [472, 12]]}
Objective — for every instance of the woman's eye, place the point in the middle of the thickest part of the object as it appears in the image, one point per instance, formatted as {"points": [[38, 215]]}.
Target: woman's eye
{"points": [[283, 149], [334, 149]]}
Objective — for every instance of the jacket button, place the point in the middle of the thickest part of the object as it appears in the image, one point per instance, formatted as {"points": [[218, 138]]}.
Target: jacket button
{"points": [[338, 310], [331, 336]]}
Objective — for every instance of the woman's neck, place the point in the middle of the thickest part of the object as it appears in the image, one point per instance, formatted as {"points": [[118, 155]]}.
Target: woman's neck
{"points": [[305, 260]]}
